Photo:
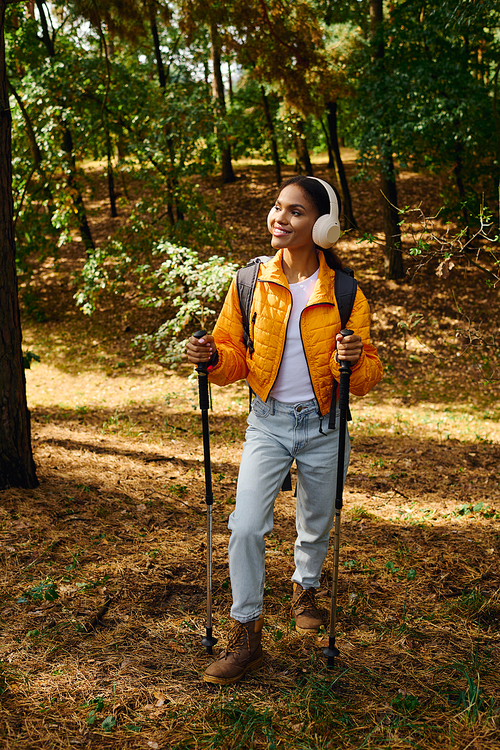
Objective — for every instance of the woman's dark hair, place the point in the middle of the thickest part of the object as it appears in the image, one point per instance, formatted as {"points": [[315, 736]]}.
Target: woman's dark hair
{"points": [[320, 199]]}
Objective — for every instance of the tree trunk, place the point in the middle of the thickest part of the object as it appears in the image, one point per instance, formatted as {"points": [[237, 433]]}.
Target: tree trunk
{"points": [[458, 173], [104, 122], [17, 468], [331, 158], [47, 39], [272, 136], [496, 173], [350, 221], [393, 261], [172, 179], [71, 181], [230, 82], [156, 42], [35, 149], [303, 157], [111, 178], [218, 95], [67, 145]]}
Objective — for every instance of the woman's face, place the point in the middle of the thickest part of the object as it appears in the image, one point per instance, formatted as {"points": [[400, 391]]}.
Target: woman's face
{"points": [[291, 220]]}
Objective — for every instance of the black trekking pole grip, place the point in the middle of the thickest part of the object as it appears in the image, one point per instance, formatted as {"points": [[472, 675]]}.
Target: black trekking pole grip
{"points": [[344, 363], [345, 374], [201, 369]]}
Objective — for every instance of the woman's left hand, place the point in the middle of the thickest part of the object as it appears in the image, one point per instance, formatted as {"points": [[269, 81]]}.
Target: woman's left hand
{"points": [[349, 348]]}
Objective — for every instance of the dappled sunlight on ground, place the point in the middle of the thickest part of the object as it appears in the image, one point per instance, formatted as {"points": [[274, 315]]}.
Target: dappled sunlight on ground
{"points": [[103, 566]]}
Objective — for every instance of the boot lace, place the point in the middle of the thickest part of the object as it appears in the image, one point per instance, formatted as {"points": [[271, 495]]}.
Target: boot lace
{"points": [[305, 603], [239, 638]]}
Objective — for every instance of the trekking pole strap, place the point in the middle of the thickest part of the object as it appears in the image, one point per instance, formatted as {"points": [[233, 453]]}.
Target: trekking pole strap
{"points": [[201, 369]]}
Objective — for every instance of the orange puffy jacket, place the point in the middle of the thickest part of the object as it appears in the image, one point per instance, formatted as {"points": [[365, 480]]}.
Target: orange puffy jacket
{"points": [[319, 324]]}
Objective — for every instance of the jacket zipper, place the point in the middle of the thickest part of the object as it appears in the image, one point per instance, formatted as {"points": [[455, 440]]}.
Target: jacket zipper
{"points": [[252, 323], [318, 304], [286, 330]]}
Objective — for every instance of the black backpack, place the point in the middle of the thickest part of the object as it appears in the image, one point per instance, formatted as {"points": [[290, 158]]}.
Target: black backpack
{"points": [[345, 288]]}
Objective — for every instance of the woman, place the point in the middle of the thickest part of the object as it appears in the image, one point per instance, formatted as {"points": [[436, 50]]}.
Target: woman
{"points": [[295, 331]]}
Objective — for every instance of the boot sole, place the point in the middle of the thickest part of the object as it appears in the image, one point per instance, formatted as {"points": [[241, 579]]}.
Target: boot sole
{"points": [[231, 680], [305, 631]]}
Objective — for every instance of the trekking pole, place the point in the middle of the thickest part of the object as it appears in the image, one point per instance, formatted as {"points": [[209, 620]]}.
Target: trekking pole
{"points": [[209, 641], [345, 374]]}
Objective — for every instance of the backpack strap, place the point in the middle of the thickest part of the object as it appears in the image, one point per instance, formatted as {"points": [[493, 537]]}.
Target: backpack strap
{"points": [[345, 287], [246, 279]]}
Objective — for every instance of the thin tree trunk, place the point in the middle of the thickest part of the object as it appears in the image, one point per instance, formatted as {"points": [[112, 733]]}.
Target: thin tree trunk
{"points": [[496, 173], [104, 122], [17, 468], [46, 37], [71, 181], [350, 221], [458, 173], [303, 157], [218, 95], [272, 136], [71, 178], [35, 149], [163, 77], [111, 177], [230, 83], [393, 260], [156, 43], [331, 158]]}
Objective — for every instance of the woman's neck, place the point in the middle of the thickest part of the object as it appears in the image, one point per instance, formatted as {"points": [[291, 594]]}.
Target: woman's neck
{"points": [[298, 265]]}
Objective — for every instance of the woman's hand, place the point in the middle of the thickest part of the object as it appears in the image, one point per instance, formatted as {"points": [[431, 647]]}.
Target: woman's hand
{"points": [[200, 350], [349, 348]]}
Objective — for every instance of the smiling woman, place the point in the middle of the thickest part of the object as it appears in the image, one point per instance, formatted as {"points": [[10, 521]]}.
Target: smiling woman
{"points": [[291, 368], [291, 220]]}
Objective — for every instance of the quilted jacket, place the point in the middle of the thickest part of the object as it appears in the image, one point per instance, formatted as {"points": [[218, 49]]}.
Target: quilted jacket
{"points": [[319, 324]]}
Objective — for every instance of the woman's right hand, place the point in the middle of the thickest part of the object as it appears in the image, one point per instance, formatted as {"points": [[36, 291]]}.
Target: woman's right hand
{"points": [[200, 350]]}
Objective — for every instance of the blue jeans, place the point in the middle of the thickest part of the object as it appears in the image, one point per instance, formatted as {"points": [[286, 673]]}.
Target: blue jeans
{"points": [[276, 434]]}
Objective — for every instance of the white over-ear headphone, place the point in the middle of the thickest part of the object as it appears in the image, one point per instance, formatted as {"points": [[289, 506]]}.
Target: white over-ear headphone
{"points": [[326, 230]]}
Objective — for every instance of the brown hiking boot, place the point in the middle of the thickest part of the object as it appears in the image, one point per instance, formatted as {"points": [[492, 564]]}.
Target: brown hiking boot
{"points": [[308, 619], [242, 654]]}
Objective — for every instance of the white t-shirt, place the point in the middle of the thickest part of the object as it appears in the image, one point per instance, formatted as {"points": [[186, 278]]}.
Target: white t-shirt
{"points": [[293, 383]]}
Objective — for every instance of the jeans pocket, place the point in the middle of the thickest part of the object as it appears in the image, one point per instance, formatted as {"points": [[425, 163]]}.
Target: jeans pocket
{"points": [[260, 408]]}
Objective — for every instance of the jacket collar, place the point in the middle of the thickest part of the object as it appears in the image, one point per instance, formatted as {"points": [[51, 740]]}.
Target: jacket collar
{"points": [[272, 271]]}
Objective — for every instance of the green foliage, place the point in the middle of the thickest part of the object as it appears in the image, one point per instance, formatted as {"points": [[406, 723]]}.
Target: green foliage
{"points": [[171, 278], [405, 703], [430, 98], [3, 681], [44, 591], [97, 706], [72, 104], [109, 723], [466, 693], [246, 724], [192, 286], [248, 128]]}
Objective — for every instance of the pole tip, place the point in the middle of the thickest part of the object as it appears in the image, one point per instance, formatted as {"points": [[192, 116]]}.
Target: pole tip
{"points": [[209, 641]]}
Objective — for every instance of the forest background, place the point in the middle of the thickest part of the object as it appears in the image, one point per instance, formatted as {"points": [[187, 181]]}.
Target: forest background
{"points": [[148, 141]]}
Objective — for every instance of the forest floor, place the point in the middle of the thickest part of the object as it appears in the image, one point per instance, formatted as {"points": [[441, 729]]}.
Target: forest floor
{"points": [[102, 567]]}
